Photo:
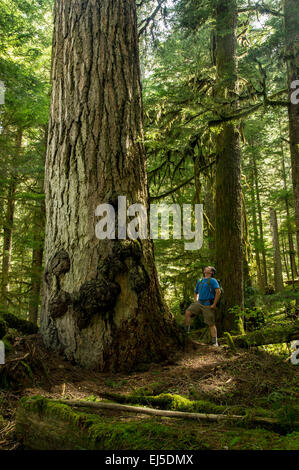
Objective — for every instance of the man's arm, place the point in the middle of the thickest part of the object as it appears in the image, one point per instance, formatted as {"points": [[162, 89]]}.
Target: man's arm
{"points": [[217, 296], [196, 293]]}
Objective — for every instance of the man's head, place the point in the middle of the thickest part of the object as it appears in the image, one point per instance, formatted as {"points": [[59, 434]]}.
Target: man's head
{"points": [[209, 271]]}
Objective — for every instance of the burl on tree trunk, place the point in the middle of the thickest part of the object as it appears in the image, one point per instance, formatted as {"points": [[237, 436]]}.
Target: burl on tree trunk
{"points": [[102, 304]]}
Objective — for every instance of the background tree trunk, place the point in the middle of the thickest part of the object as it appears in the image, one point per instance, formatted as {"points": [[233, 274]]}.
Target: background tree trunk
{"points": [[102, 303], [260, 220], [278, 280], [260, 278], [8, 227], [37, 261], [291, 12], [229, 256]]}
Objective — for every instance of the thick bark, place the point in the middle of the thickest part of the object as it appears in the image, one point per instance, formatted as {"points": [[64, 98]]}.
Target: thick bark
{"points": [[291, 12], [102, 303], [210, 208], [229, 256], [278, 279]]}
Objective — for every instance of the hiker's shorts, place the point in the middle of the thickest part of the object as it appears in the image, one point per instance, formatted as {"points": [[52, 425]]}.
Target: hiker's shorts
{"points": [[206, 311]]}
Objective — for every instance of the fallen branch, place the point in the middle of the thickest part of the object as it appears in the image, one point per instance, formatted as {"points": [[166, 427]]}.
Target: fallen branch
{"points": [[166, 413]]}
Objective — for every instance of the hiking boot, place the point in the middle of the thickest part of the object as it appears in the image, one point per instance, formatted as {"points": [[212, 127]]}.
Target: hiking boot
{"points": [[215, 345], [186, 329]]}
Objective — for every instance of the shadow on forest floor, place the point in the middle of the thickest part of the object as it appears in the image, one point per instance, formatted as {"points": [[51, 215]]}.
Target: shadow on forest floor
{"points": [[252, 378]]}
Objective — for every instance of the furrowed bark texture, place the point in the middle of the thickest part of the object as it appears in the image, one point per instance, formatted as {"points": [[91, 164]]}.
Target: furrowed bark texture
{"points": [[229, 256], [291, 12], [102, 303]]}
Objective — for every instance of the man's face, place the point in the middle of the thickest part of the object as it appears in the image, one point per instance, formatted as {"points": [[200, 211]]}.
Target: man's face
{"points": [[207, 272]]}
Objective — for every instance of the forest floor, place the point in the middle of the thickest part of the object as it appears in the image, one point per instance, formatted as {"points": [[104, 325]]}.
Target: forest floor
{"points": [[250, 378]]}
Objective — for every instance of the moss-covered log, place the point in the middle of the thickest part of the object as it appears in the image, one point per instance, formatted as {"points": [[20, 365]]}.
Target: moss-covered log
{"points": [[43, 424], [282, 334], [23, 326]]}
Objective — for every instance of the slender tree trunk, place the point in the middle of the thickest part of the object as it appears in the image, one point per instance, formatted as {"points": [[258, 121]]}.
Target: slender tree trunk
{"points": [[278, 280], [260, 278], [285, 259], [8, 228], [37, 261], [102, 304], [229, 256], [291, 12], [260, 221], [247, 254]]}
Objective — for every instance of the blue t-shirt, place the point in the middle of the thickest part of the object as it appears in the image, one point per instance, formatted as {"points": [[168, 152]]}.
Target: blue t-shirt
{"points": [[206, 290]]}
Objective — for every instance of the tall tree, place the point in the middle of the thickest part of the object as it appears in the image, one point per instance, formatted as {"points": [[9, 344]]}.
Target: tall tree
{"points": [[8, 224], [291, 13], [278, 279], [229, 256], [102, 302]]}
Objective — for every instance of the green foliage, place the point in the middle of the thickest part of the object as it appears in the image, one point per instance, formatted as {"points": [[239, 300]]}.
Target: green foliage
{"points": [[3, 327], [22, 326]]}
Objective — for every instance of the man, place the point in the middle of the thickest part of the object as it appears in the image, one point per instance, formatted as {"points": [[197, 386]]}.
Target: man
{"points": [[206, 295]]}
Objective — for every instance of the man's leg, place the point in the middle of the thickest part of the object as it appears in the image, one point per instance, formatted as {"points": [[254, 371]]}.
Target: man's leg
{"points": [[188, 316], [213, 331]]}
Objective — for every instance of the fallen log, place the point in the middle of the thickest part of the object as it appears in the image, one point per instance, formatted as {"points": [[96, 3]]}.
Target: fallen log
{"points": [[281, 334], [45, 424], [165, 413]]}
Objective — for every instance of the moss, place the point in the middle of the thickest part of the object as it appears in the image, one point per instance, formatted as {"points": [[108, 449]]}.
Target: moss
{"points": [[87, 431], [23, 326], [8, 346], [44, 424], [230, 341], [289, 442], [3, 327], [167, 401], [287, 416]]}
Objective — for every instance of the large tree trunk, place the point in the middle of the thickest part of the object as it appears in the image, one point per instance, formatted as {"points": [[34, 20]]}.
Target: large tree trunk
{"points": [[210, 207], [292, 57], [102, 303], [278, 280], [229, 256]]}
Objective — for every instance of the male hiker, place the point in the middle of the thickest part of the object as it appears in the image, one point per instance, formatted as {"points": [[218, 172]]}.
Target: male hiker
{"points": [[206, 296]]}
